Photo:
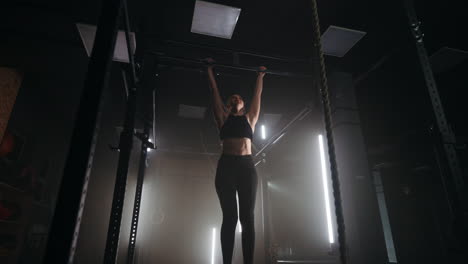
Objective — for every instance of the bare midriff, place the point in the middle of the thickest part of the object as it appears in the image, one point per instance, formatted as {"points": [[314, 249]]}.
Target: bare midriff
{"points": [[237, 146]]}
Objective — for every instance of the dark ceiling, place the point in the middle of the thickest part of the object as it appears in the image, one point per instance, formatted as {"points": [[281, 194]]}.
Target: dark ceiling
{"points": [[266, 27], [277, 28]]}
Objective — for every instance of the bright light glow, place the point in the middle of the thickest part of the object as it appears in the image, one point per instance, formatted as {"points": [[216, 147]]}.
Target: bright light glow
{"points": [[325, 190], [213, 243], [148, 149], [88, 33], [263, 132], [240, 226], [214, 19], [337, 41]]}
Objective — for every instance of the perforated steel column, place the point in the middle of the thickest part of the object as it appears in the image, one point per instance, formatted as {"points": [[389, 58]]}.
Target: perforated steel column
{"points": [[64, 228], [448, 138], [138, 195]]}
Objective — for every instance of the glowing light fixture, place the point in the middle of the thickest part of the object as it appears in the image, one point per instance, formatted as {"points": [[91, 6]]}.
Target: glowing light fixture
{"points": [[337, 41], [325, 190], [190, 111], [214, 19], [263, 132], [149, 149], [88, 33], [213, 243], [240, 226]]}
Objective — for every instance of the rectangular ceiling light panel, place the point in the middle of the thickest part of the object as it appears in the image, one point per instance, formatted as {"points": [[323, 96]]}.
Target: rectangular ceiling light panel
{"points": [[446, 58], [214, 19], [88, 33], [189, 111], [337, 41]]}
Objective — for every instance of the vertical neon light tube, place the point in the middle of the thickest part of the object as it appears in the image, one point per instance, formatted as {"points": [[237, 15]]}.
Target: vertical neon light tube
{"points": [[148, 149], [240, 226], [263, 132], [325, 190], [213, 243]]}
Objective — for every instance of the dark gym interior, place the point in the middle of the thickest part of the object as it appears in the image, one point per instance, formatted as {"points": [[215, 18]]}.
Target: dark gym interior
{"points": [[109, 145]]}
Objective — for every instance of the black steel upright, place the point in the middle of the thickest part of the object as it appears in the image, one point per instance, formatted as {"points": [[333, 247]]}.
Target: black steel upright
{"points": [[84, 191], [130, 48], [138, 194], [322, 75], [62, 229], [125, 147], [448, 138]]}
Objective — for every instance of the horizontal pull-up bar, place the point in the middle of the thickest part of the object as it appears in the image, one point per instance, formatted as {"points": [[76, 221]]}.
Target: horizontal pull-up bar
{"points": [[238, 52], [227, 66]]}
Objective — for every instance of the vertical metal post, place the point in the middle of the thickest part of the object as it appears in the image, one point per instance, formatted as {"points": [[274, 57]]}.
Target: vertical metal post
{"points": [[125, 146], [63, 227], [138, 195], [84, 191], [448, 138], [266, 218], [384, 218], [130, 48], [330, 139]]}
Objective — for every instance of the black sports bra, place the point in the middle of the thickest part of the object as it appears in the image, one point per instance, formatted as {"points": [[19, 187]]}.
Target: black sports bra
{"points": [[236, 127]]}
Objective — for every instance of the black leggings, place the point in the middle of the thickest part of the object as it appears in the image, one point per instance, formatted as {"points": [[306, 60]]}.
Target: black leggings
{"points": [[237, 173]]}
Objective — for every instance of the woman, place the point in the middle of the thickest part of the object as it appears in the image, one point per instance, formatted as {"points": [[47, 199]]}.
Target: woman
{"points": [[236, 169]]}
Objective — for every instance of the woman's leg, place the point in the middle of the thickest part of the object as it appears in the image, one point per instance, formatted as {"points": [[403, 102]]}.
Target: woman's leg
{"points": [[247, 190], [226, 190]]}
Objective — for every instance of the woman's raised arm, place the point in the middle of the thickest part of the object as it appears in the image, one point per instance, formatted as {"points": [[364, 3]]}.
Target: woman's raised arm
{"points": [[254, 111], [218, 106]]}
